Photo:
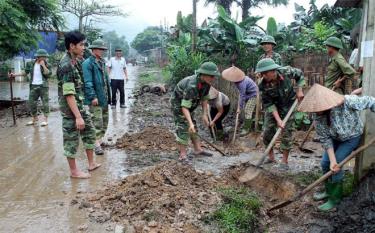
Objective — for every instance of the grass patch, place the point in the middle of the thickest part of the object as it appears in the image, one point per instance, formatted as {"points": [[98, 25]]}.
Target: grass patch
{"points": [[348, 184], [155, 75], [239, 211], [146, 78], [306, 178]]}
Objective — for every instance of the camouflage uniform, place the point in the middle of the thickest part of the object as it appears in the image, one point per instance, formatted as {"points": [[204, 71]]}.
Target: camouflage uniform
{"points": [[97, 86], [189, 93], [70, 82], [280, 96], [337, 68], [37, 91], [275, 56]]}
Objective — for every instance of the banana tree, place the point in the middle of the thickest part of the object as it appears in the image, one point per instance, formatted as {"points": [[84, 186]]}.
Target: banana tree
{"points": [[225, 36]]}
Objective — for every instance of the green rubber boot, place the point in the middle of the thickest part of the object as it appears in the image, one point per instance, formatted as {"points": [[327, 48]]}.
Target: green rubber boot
{"points": [[334, 198], [219, 135], [319, 196], [246, 128]]}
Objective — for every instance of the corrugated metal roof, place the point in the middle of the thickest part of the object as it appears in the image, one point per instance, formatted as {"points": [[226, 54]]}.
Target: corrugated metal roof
{"points": [[347, 3]]}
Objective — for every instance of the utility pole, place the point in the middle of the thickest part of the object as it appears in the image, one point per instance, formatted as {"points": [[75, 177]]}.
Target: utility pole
{"points": [[194, 28], [367, 51]]}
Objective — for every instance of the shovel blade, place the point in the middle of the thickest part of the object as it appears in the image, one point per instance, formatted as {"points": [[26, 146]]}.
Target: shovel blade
{"points": [[250, 174]]}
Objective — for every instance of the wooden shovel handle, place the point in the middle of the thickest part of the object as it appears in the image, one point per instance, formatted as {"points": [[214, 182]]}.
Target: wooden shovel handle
{"points": [[236, 123], [324, 177], [278, 132]]}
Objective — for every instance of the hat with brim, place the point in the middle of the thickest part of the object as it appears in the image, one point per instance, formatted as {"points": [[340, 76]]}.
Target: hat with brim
{"points": [[98, 44], [213, 94], [333, 42], [41, 53], [233, 74], [118, 50], [320, 99], [268, 40], [266, 64], [208, 68]]}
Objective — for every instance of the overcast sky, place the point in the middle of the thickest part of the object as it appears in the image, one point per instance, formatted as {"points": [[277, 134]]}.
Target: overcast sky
{"points": [[143, 13]]}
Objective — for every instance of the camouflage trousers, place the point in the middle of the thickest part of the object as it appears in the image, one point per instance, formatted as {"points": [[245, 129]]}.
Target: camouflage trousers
{"points": [[270, 128], [71, 135], [36, 92], [99, 117], [182, 128], [250, 107]]}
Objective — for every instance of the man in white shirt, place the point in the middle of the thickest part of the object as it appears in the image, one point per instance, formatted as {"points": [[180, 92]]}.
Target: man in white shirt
{"points": [[118, 74], [39, 74]]}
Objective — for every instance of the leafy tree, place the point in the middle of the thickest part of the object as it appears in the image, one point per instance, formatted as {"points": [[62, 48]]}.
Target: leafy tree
{"points": [[150, 38], [115, 41], [224, 37], [226, 4], [20, 21], [93, 34], [246, 5], [89, 9]]}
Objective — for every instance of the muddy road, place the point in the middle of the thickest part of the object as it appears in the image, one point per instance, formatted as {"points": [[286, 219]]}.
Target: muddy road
{"points": [[35, 187], [140, 185]]}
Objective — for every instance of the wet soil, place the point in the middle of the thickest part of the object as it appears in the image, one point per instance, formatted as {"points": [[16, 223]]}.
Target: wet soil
{"points": [[140, 185], [169, 197], [152, 139]]}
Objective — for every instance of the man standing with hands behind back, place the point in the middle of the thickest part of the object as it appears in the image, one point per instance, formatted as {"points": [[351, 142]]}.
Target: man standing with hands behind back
{"points": [[97, 91], [118, 73]]}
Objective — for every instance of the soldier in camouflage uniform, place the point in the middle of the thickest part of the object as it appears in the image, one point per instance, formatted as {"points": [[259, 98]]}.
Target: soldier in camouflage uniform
{"points": [[268, 43], [187, 95], [76, 120], [97, 90], [339, 72], [278, 96], [39, 74]]}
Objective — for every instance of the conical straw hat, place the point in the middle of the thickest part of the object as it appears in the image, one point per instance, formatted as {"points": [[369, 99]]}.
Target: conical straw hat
{"points": [[319, 99], [233, 74], [213, 94]]}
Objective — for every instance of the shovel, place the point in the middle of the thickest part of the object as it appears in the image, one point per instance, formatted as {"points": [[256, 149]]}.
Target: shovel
{"points": [[323, 178], [210, 120], [211, 144], [305, 139], [236, 124], [253, 171]]}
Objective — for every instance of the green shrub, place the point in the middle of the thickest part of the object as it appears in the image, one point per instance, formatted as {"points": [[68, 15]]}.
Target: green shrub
{"points": [[239, 210], [182, 63]]}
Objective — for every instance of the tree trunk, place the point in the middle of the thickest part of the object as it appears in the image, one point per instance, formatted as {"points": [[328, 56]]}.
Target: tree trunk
{"points": [[80, 23], [194, 29], [246, 4]]}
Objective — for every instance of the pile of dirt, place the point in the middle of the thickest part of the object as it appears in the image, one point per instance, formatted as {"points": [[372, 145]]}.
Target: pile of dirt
{"points": [[154, 138], [357, 212], [169, 197]]}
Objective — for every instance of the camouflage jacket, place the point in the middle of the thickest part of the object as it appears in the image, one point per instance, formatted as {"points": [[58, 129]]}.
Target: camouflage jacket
{"points": [[337, 68], [29, 69], [275, 56], [280, 95], [189, 92], [70, 82]]}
